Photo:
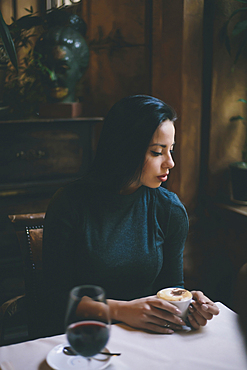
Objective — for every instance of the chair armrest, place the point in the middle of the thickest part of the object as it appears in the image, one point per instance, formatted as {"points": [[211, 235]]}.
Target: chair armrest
{"points": [[8, 309]]}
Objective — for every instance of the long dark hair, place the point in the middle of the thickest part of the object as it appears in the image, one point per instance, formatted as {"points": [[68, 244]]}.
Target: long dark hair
{"points": [[127, 131]]}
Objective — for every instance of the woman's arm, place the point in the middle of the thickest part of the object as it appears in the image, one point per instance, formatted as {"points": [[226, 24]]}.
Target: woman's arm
{"points": [[175, 231], [202, 308]]}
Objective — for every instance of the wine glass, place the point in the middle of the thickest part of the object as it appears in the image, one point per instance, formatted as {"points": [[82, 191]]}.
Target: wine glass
{"points": [[87, 320]]}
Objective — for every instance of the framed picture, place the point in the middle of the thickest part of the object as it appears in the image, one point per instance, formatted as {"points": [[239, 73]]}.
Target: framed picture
{"points": [[57, 3]]}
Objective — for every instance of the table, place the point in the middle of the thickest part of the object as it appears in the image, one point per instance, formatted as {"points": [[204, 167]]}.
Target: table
{"points": [[217, 346]]}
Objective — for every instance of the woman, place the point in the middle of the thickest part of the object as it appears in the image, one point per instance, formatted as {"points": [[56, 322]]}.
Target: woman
{"points": [[119, 228]]}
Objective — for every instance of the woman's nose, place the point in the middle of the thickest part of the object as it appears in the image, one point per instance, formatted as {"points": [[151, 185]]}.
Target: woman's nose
{"points": [[168, 162]]}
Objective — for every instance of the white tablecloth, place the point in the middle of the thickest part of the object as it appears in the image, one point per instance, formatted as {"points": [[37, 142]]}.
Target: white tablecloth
{"points": [[217, 346]]}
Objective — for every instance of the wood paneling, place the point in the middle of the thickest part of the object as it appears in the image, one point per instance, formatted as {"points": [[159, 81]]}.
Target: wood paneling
{"points": [[177, 79], [119, 52]]}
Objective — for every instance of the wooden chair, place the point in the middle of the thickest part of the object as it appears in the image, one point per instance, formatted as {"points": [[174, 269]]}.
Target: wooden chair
{"points": [[29, 231]]}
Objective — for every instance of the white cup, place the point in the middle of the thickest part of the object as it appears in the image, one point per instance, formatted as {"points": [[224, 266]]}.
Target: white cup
{"points": [[180, 297]]}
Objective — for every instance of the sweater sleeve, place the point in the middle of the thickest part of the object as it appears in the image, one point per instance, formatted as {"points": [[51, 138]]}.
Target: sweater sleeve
{"points": [[175, 230], [57, 259]]}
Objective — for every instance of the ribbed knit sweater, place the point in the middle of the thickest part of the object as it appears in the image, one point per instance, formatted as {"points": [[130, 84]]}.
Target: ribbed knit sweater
{"points": [[131, 245]]}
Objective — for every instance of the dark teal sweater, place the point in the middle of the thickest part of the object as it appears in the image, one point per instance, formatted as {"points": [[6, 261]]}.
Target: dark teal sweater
{"points": [[131, 245]]}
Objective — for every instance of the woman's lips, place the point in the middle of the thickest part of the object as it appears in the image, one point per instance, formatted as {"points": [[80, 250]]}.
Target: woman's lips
{"points": [[163, 178]]}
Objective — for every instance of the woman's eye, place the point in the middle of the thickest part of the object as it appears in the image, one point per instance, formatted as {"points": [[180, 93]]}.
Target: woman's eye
{"points": [[156, 154]]}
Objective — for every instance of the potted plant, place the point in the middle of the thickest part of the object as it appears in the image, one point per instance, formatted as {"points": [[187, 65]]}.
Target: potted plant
{"points": [[7, 42], [7, 53], [12, 38], [238, 37], [24, 81]]}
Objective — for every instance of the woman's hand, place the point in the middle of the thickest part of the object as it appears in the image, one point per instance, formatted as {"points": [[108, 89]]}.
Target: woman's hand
{"points": [[149, 313], [201, 310]]}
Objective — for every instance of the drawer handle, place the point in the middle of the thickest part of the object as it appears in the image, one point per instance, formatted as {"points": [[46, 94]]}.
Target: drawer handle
{"points": [[31, 154]]}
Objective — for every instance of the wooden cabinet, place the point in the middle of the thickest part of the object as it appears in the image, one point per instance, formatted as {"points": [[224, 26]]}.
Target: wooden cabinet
{"points": [[37, 156]]}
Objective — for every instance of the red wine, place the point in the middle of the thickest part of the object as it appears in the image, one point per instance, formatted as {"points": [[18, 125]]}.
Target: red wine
{"points": [[88, 338]]}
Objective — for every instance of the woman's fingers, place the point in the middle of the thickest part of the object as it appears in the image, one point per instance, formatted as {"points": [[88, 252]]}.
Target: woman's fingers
{"points": [[211, 308], [153, 317], [196, 307], [202, 299], [201, 310], [164, 305], [158, 329], [167, 316], [193, 322], [204, 305], [158, 325], [167, 312], [197, 317], [173, 322]]}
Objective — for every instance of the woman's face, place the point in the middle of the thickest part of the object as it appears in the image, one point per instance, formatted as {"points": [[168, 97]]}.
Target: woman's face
{"points": [[158, 159]]}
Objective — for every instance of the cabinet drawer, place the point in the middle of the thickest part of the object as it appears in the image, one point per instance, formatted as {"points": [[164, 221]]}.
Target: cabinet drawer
{"points": [[44, 151]]}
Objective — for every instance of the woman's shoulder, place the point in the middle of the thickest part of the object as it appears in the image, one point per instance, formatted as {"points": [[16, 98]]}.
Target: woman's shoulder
{"points": [[167, 201], [168, 196], [170, 208]]}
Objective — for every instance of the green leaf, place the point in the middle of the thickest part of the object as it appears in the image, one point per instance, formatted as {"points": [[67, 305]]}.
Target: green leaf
{"points": [[236, 12], [26, 22], [29, 10], [240, 49], [224, 31], [236, 118], [8, 42], [239, 27], [243, 101]]}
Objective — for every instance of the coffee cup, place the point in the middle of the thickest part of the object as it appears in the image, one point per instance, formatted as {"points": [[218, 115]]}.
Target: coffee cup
{"points": [[180, 297]]}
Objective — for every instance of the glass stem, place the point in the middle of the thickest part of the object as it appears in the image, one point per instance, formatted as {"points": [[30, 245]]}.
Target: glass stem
{"points": [[89, 360]]}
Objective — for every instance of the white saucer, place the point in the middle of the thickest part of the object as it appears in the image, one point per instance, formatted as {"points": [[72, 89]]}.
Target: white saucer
{"points": [[58, 360]]}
